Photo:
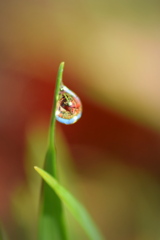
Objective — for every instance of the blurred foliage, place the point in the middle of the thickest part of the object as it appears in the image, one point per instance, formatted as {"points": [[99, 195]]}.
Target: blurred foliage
{"points": [[26, 196], [112, 54], [129, 197]]}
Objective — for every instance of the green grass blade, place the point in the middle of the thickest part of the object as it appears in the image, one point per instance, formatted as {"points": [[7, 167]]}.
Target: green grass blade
{"points": [[51, 222], [77, 210], [3, 235], [53, 118]]}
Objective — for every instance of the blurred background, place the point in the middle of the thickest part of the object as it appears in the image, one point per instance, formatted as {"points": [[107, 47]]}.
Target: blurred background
{"points": [[110, 159]]}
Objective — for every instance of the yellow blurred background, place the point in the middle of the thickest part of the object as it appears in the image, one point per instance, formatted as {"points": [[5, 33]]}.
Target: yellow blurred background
{"points": [[112, 55]]}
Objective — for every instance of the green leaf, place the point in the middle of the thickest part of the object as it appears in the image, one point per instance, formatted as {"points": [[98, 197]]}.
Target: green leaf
{"points": [[51, 221], [77, 210]]}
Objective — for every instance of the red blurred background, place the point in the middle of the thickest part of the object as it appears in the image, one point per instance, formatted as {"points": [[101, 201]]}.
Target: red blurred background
{"points": [[112, 56]]}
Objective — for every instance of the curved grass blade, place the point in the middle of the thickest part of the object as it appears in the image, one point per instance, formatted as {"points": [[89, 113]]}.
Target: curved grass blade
{"points": [[51, 222], [77, 210]]}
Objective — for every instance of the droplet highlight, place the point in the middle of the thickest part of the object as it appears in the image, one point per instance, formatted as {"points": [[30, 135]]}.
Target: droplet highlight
{"points": [[69, 106]]}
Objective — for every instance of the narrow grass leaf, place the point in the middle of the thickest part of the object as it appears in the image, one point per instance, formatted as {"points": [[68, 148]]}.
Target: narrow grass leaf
{"points": [[77, 210], [51, 223], [3, 234]]}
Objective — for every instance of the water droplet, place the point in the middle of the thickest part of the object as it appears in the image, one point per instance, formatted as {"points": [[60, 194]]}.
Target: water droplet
{"points": [[69, 106]]}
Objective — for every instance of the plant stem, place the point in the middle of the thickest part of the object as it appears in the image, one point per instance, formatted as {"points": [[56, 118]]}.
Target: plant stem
{"points": [[53, 118], [51, 220]]}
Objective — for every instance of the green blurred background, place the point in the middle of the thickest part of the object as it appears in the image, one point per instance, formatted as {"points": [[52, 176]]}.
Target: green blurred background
{"points": [[110, 159]]}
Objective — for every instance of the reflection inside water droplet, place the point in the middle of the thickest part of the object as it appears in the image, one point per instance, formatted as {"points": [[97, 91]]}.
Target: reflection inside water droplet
{"points": [[69, 106]]}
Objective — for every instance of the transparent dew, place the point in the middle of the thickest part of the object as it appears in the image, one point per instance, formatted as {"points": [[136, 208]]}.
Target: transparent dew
{"points": [[69, 106]]}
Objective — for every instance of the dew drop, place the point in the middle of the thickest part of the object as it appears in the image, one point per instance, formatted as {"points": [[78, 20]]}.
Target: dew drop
{"points": [[69, 106]]}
